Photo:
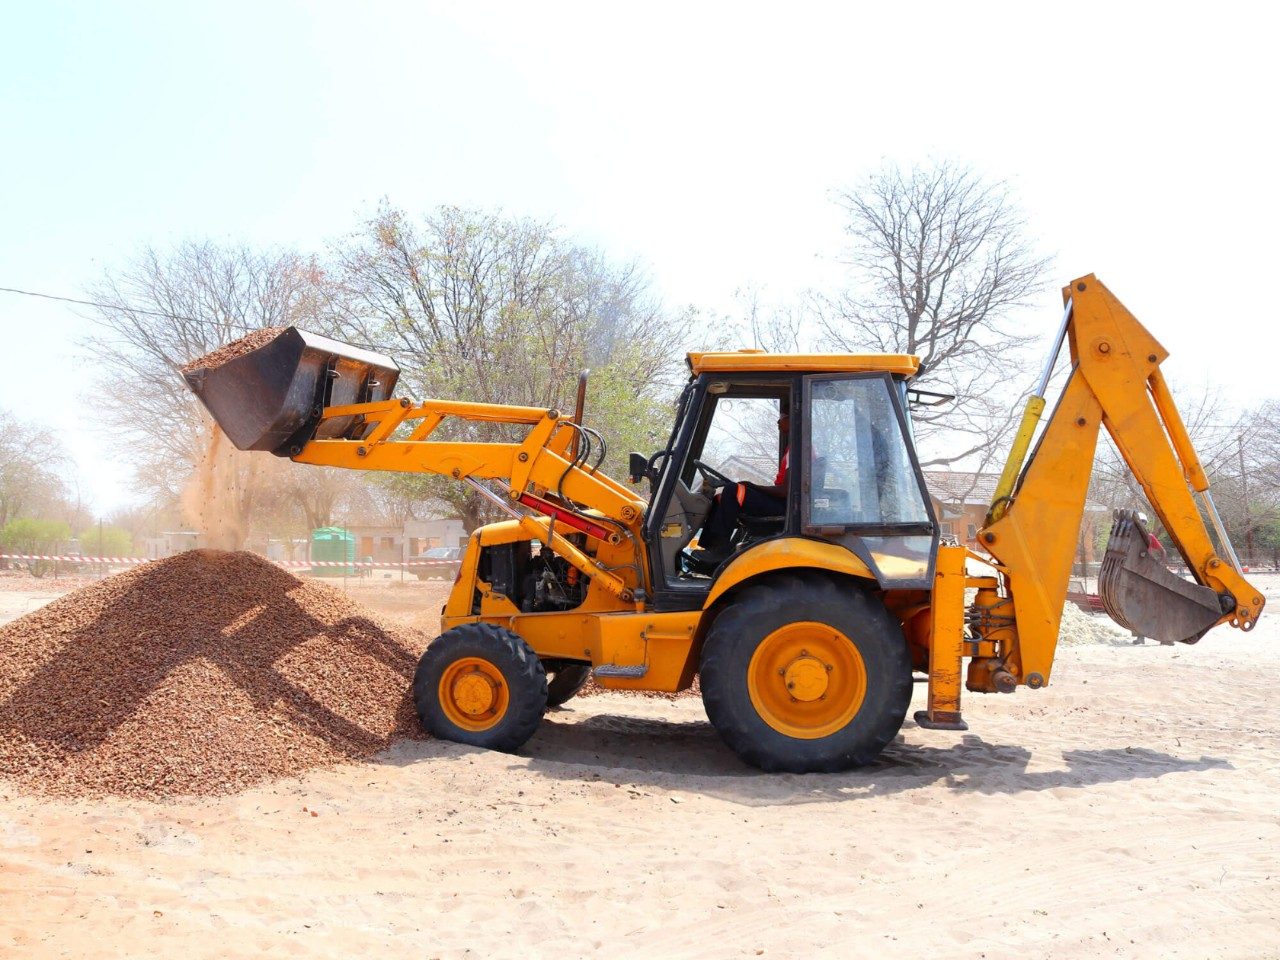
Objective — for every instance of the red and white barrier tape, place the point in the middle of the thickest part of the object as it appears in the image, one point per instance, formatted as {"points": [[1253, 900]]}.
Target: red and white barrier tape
{"points": [[384, 564]]}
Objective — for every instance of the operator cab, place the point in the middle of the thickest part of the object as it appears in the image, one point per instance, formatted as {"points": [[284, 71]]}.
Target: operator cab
{"points": [[852, 475]]}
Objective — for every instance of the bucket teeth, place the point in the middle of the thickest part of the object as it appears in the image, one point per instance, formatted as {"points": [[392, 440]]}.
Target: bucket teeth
{"points": [[1142, 595]]}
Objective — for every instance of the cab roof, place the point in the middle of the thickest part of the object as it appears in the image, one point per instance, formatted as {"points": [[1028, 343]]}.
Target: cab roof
{"points": [[740, 361]]}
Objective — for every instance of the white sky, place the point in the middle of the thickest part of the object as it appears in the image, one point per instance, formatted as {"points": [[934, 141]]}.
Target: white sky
{"points": [[704, 139]]}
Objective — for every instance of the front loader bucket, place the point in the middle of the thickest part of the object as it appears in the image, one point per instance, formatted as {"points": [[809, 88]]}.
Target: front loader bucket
{"points": [[1141, 594], [268, 394]]}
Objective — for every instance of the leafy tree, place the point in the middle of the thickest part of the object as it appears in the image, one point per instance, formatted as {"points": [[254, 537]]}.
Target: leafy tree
{"points": [[483, 307], [106, 540], [31, 474], [31, 535]]}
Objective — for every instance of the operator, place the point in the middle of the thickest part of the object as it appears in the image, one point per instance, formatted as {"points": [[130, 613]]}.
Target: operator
{"points": [[744, 499]]}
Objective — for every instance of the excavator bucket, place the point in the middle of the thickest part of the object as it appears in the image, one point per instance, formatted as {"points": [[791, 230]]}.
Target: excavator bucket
{"points": [[267, 391], [1141, 594]]}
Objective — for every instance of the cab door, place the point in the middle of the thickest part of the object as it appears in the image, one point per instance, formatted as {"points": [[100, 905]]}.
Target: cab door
{"points": [[861, 484]]}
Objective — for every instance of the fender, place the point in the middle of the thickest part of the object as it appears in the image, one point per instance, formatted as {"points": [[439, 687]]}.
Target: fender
{"points": [[786, 553]]}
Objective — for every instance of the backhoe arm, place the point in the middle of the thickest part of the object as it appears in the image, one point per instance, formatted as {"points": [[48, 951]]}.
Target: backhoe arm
{"points": [[1032, 532]]}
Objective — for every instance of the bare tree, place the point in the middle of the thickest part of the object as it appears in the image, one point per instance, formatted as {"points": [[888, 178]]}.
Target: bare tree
{"points": [[1240, 453], [938, 260], [165, 308]]}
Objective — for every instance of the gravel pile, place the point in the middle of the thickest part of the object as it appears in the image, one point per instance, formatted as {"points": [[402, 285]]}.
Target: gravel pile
{"points": [[199, 674], [1079, 627], [236, 348]]}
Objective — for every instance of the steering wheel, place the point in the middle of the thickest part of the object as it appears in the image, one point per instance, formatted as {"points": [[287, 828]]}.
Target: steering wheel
{"points": [[712, 474]]}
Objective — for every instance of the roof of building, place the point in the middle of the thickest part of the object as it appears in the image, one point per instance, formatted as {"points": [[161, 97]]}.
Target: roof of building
{"points": [[961, 486], [965, 487]]}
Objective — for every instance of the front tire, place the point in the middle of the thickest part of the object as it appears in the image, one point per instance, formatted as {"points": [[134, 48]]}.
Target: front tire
{"points": [[480, 684], [803, 674]]}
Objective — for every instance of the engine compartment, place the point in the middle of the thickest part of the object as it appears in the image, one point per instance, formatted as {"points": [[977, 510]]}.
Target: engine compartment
{"points": [[532, 577]]}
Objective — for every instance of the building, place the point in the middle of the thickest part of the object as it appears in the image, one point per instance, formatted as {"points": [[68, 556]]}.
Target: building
{"points": [[962, 498], [390, 543], [169, 543]]}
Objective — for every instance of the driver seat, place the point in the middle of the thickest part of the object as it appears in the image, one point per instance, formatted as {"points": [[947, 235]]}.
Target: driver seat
{"points": [[747, 532], [751, 529]]}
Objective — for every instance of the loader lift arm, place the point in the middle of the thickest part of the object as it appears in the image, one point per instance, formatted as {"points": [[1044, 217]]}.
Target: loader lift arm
{"points": [[1034, 522], [544, 472]]}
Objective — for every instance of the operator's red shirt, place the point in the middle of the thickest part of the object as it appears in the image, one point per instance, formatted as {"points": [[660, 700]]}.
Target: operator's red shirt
{"points": [[781, 479]]}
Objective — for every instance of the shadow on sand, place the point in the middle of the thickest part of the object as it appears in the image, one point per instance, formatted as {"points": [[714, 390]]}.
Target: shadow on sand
{"points": [[689, 755]]}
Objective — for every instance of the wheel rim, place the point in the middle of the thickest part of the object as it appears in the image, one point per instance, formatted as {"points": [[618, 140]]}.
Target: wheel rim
{"points": [[807, 680], [473, 693]]}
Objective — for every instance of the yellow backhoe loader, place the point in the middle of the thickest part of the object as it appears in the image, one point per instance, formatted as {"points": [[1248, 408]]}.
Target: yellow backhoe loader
{"points": [[805, 633]]}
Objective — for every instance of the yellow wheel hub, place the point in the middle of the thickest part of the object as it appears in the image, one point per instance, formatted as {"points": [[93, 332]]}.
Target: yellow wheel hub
{"points": [[473, 693], [807, 680]]}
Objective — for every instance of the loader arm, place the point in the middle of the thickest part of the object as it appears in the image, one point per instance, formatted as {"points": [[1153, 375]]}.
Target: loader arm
{"points": [[1033, 526], [320, 401], [541, 472]]}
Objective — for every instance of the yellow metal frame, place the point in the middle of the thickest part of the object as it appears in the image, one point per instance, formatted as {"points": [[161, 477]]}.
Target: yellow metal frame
{"points": [[538, 464], [1010, 634]]}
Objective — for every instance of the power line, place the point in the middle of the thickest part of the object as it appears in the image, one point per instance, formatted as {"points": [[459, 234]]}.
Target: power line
{"points": [[122, 308], [104, 306]]}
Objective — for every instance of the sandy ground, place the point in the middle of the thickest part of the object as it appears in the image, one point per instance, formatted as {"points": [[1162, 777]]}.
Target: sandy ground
{"points": [[1130, 809]]}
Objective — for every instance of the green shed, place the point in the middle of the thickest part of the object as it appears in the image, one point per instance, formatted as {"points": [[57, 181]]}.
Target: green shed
{"points": [[333, 545]]}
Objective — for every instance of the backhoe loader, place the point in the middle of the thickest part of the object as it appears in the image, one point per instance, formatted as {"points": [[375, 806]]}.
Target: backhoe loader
{"points": [[805, 636]]}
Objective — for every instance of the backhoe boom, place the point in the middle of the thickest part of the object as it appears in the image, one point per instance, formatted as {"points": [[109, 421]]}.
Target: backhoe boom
{"points": [[1115, 380]]}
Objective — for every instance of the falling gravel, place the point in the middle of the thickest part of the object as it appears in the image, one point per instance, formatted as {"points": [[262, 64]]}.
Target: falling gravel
{"points": [[236, 348], [200, 674]]}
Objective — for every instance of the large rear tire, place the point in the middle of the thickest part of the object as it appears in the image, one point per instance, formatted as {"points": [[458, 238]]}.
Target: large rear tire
{"points": [[480, 684], [803, 674]]}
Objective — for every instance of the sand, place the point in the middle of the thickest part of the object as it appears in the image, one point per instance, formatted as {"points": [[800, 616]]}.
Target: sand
{"points": [[1127, 810]]}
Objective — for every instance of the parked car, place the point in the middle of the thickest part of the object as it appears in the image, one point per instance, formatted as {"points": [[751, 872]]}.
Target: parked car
{"points": [[439, 563]]}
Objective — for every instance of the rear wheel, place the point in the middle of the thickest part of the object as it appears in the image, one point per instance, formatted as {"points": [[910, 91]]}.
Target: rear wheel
{"points": [[564, 679], [480, 684], [802, 674]]}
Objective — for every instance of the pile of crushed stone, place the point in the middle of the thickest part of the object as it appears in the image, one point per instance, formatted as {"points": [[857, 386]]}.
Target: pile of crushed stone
{"points": [[1079, 627], [199, 674], [236, 348]]}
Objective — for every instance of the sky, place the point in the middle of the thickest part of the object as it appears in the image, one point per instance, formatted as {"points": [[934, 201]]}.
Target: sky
{"points": [[704, 139]]}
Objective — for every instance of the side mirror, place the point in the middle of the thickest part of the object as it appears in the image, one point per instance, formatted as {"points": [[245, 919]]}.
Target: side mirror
{"points": [[638, 467]]}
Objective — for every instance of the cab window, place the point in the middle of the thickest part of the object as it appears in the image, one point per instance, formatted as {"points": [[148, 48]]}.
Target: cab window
{"points": [[861, 470]]}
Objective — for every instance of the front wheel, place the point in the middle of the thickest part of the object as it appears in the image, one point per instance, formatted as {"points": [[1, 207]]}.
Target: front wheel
{"points": [[480, 684], [801, 674]]}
